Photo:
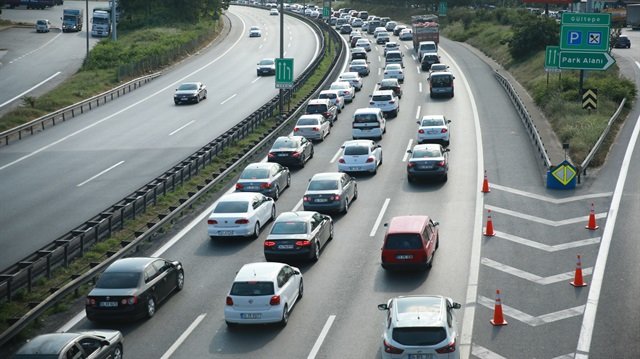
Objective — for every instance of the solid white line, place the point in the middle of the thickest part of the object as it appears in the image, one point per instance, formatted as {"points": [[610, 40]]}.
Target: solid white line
{"points": [[418, 112], [183, 337], [100, 174], [257, 78], [548, 222], [379, 59], [297, 206], [228, 98], [335, 157], [589, 318], [31, 89], [406, 153], [549, 199], [323, 334], [530, 276], [71, 323], [484, 353], [180, 128], [529, 319], [419, 86], [379, 219], [545, 247]]}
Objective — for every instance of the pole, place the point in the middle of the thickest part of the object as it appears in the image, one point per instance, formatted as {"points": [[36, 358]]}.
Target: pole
{"points": [[581, 83], [87, 25], [114, 35], [281, 91]]}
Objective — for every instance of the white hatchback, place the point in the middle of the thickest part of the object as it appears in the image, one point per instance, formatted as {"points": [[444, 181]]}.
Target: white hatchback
{"points": [[434, 129], [312, 127], [345, 88], [353, 78], [387, 101], [394, 71], [334, 96], [360, 156], [240, 214], [263, 292]]}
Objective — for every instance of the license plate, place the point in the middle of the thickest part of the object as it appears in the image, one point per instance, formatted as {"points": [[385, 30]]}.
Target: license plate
{"points": [[252, 188], [432, 132], [285, 246], [321, 200], [250, 315], [225, 233], [109, 304], [420, 356], [404, 256], [354, 168], [425, 167], [283, 154]]}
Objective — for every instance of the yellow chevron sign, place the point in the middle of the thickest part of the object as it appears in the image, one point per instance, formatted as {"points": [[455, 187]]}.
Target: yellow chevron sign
{"points": [[590, 99], [564, 173]]}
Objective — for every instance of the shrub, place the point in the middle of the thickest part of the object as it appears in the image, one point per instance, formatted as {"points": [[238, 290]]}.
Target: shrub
{"points": [[532, 35]]}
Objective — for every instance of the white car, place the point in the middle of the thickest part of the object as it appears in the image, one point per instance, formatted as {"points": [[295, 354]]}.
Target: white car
{"points": [[377, 31], [312, 127], [263, 292], [387, 101], [240, 214], [434, 129], [345, 89], [409, 332], [356, 22], [353, 78], [43, 25], [364, 43], [405, 34], [334, 96], [255, 31], [274, 11], [390, 46], [394, 71], [360, 156]]}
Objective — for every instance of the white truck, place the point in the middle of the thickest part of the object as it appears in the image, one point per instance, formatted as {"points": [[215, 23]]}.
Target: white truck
{"points": [[633, 16], [100, 23]]}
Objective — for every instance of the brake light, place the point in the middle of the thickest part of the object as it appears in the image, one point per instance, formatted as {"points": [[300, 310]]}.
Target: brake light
{"points": [[306, 198], [335, 197], [212, 221], [444, 130], [420, 131], [450, 348], [229, 300], [440, 164], [269, 243], [265, 185], [410, 165], [275, 300], [295, 154], [303, 243], [388, 348], [271, 155], [295, 129], [90, 301], [130, 300], [239, 186], [316, 129], [242, 221], [370, 159], [341, 160]]}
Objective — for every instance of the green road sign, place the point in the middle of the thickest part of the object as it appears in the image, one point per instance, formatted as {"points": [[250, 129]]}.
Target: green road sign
{"points": [[284, 73], [585, 19], [574, 60], [552, 58], [326, 12], [584, 38], [442, 8]]}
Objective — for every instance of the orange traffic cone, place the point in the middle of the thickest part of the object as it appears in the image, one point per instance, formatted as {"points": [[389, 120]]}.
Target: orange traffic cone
{"points": [[498, 318], [489, 229], [577, 280], [485, 184], [592, 226]]}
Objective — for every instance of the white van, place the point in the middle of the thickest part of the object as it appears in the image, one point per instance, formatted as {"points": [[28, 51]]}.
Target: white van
{"points": [[368, 123]]}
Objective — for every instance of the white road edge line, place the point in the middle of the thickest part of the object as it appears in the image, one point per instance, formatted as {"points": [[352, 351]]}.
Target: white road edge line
{"points": [[228, 98], [589, 317], [182, 127], [183, 337], [335, 157], [323, 334], [31, 89], [37, 49], [99, 174], [406, 153], [418, 112], [379, 219]]}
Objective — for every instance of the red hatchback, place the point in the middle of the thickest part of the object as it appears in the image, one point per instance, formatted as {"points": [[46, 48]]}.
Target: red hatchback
{"points": [[410, 243]]}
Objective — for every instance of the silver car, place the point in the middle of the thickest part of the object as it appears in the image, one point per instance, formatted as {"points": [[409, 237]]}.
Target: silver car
{"points": [[330, 192], [312, 127], [334, 96], [268, 178], [359, 66], [298, 234], [345, 88], [87, 344]]}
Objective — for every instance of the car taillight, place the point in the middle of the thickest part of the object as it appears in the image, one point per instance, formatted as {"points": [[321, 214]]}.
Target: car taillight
{"points": [[440, 164], [420, 131], [306, 198], [229, 300], [335, 197], [90, 301], [316, 129], [326, 114], [265, 185], [242, 221], [388, 348], [370, 159], [303, 243], [444, 130], [296, 154], [271, 155], [269, 243], [341, 160], [450, 348], [410, 165], [239, 186], [212, 221], [295, 129], [275, 300], [129, 300]]}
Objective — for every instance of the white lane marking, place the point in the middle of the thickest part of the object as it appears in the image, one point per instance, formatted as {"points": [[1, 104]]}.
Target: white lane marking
{"points": [[530, 276], [413, 57], [379, 219], [379, 59], [99, 174], [36, 49], [228, 98], [484, 353], [183, 337], [548, 222], [30, 89], [379, 71], [418, 69], [182, 127], [259, 47], [297, 206], [419, 86], [566, 356], [418, 112], [406, 152], [529, 319], [407, 47], [545, 247], [170, 86], [549, 199], [257, 78], [335, 157], [589, 318], [323, 334], [71, 323]]}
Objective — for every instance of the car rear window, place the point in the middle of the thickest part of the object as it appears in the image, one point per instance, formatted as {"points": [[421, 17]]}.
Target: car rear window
{"points": [[323, 185], [381, 98], [255, 173], [426, 153], [356, 150], [307, 122], [328, 95], [432, 122], [403, 241], [419, 336], [284, 143], [316, 108], [365, 118], [440, 81], [118, 280], [289, 228], [252, 288], [231, 207]]}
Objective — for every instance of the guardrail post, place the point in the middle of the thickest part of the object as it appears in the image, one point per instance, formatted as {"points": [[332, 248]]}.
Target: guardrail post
{"points": [[8, 278]]}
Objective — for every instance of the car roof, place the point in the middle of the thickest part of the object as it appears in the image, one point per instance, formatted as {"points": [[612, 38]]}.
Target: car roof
{"points": [[383, 92], [358, 143], [341, 83], [47, 344], [318, 101], [237, 196], [393, 66], [442, 73], [258, 165], [336, 92], [394, 80], [391, 43], [358, 49], [259, 271], [360, 61], [419, 311], [427, 146], [394, 52], [327, 175], [367, 110], [349, 74], [426, 117], [295, 216], [407, 224], [130, 264]]}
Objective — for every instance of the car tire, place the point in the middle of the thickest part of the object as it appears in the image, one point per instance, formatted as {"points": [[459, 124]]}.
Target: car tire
{"points": [[180, 281], [316, 251], [288, 180], [303, 161], [331, 232], [276, 193], [355, 193], [437, 242], [117, 352], [380, 164], [231, 326], [256, 231], [346, 206], [285, 316], [429, 263], [205, 95], [410, 179], [445, 177], [300, 289], [197, 98], [312, 151], [151, 307], [273, 213]]}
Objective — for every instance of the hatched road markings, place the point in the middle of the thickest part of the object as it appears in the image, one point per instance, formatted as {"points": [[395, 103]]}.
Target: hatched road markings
{"points": [[546, 247], [548, 222], [549, 199], [484, 353], [529, 319], [530, 276]]}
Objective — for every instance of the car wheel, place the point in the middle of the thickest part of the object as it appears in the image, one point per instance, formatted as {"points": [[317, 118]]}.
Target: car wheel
{"points": [[300, 289], [410, 178], [180, 281], [331, 231], [316, 251], [311, 155], [117, 352], [445, 177], [285, 316], [256, 231], [230, 325], [288, 180], [151, 307], [205, 95], [276, 193], [303, 160], [437, 242], [176, 102], [273, 213], [197, 98], [430, 261], [375, 170], [355, 193], [346, 206], [335, 119], [380, 164]]}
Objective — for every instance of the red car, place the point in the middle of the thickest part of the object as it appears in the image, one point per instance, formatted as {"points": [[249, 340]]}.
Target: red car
{"points": [[410, 243]]}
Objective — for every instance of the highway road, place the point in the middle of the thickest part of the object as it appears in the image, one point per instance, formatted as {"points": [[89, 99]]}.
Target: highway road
{"points": [[68, 173]]}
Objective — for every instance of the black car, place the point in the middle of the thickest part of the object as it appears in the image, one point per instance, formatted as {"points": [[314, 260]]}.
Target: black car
{"points": [[98, 344], [429, 59], [622, 41], [298, 234], [391, 84], [131, 288], [190, 92], [291, 150], [270, 179]]}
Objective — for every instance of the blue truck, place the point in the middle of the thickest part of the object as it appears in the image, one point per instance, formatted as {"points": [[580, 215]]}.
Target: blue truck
{"points": [[72, 20]]}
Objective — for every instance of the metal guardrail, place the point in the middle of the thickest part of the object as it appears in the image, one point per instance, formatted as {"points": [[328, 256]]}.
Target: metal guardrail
{"points": [[526, 119], [51, 119], [585, 164], [100, 227]]}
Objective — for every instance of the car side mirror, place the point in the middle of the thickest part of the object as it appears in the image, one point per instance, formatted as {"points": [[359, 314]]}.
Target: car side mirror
{"points": [[448, 121], [383, 306], [418, 122], [456, 305], [447, 149], [409, 151], [386, 225], [436, 223]]}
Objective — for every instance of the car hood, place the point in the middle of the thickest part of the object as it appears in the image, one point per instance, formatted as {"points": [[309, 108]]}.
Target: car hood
{"points": [[186, 92], [113, 292]]}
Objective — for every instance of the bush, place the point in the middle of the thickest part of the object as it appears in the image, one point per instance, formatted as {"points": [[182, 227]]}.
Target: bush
{"points": [[532, 35]]}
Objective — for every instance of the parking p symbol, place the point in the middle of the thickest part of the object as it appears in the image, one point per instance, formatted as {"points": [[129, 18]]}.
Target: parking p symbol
{"points": [[574, 37]]}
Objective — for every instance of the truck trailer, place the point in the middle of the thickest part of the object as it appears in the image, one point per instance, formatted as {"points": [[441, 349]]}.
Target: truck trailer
{"points": [[425, 28], [633, 16]]}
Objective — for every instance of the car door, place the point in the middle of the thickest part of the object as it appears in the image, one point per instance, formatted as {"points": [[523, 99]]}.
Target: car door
{"points": [[429, 235], [306, 147], [153, 284], [166, 276], [347, 187], [325, 224], [258, 209], [93, 348], [288, 285]]}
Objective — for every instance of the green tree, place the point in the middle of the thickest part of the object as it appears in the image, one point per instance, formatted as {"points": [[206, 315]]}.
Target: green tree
{"points": [[532, 34]]}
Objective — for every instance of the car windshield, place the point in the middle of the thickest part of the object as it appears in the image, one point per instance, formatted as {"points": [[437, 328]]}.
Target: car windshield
{"points": [[356, 150], [252, 288], [231, 207], [255, 173], [432, 122], [184, 87], [41, 22], [323, 185], [426, 153], [316, 108], [284, 143], [307, 122], [419, 336], [111, 280], [289, 228], [381, 98], [403, 241], [255, 28], [266, 62]]}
